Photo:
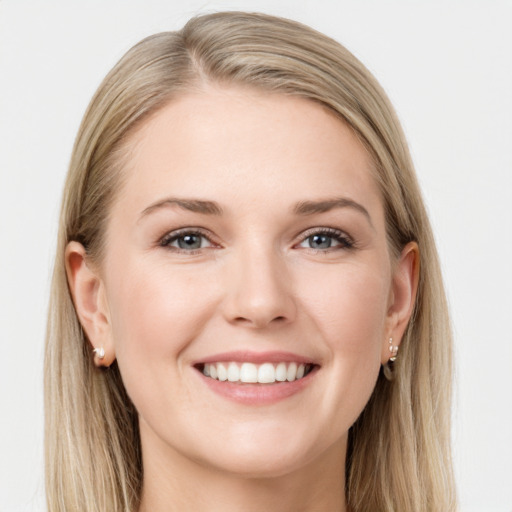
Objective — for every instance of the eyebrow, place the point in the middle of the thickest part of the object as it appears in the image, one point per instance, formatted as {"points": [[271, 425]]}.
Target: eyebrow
{"points": [[303, 208], [325, 205], [192, 205]]}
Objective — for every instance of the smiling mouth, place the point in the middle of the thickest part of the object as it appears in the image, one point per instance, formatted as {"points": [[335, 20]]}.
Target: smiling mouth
{"points": [[250, 373]]}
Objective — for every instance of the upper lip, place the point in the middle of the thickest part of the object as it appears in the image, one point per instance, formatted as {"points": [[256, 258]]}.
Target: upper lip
{"points": [[241, 356]]}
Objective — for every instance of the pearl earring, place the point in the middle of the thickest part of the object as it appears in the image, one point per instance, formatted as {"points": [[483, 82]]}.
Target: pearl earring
{"points": [[393, 349], [99, 352]]}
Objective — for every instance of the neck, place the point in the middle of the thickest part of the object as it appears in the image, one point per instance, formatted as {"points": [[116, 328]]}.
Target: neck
{"points": [[173, 482]]}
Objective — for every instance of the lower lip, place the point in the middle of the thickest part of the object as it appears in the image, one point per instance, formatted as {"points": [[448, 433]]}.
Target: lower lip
{"points": [[258, 394]]}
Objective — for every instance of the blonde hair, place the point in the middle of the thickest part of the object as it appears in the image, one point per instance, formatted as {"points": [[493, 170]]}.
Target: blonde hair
{"points": [[399, 448]]}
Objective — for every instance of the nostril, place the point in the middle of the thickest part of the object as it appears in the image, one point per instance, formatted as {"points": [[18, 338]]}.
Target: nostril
{"points": [[241, 319], [260, 322]]}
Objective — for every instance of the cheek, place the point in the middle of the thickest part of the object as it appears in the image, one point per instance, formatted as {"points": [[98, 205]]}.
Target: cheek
{"points": [[349, 306], [155, 312]]}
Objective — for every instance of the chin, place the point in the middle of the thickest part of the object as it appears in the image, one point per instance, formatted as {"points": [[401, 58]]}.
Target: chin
{"points": [[261, 465], [271, 456]]}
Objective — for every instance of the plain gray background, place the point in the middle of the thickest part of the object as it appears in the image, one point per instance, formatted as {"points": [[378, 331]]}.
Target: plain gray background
{"points": [[447, 66]]}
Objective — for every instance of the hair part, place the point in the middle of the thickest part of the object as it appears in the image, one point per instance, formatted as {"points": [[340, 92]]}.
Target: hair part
{"points": [[399, 448]]}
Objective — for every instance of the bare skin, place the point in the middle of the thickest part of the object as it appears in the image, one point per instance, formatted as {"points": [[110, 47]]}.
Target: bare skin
{"points": [[249, 225]]}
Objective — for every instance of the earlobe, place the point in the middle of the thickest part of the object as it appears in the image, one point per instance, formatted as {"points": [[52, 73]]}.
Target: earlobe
{"points": [[403, 296], [88, 292]]}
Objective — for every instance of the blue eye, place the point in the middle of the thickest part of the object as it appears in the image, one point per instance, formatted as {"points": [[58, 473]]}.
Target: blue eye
{"points": [[186, 241], [319, 241], [325, 239], [191, 241]]}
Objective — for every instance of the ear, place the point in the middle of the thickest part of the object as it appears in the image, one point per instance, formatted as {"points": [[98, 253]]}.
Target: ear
{"points": [[88, 292], [402, 297]]}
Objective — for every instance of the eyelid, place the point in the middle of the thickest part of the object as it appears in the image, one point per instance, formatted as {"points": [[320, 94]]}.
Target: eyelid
{"points": [[346, 241], [170, 236]]}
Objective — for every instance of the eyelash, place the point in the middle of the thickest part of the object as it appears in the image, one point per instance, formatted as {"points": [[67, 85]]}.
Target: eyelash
{"points": [[173, 236], [345, 242]]}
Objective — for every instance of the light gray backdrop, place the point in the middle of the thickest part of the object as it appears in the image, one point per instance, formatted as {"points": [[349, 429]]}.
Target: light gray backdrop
{"points": [[447, 66]]}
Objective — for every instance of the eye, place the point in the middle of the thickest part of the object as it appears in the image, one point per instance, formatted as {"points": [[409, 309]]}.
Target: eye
{"points": [[186, 241], [325, 239]]}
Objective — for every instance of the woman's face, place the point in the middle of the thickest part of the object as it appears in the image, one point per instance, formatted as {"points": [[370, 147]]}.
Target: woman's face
{"points": [[248, 239]]}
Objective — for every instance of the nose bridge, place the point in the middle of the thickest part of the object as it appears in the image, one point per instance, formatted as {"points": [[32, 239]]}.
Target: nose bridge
{"points": [[259, 287]]}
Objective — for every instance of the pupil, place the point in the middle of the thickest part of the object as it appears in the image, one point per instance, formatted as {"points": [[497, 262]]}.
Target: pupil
{"points": [[320, 241], [189, 242]]}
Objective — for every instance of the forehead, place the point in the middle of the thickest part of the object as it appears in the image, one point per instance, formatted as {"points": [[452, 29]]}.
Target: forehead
{"points": [[241, 143]]}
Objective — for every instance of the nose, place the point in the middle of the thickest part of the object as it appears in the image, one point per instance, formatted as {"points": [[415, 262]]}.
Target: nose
{"points": [[259, 290]]}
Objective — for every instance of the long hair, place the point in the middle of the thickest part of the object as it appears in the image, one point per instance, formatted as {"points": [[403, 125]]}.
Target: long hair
{"points": [[398, 457]]}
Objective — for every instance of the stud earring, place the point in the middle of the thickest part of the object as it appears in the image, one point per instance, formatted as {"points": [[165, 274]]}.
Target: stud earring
{"points": [[393, 349], [99, 352]]}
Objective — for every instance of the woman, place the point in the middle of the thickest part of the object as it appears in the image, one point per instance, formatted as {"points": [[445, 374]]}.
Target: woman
{"points": [[239, 317]]}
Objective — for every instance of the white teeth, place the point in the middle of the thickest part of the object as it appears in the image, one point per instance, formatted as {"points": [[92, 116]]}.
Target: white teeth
{"points": [[265, 373], [233, 372], [291, 373], [222, 373], [281, 372], [248, 372]]}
